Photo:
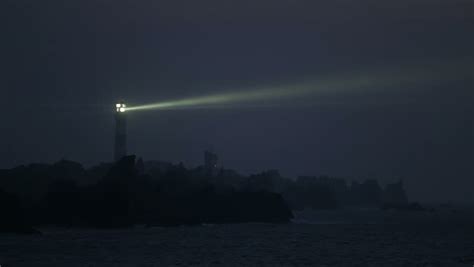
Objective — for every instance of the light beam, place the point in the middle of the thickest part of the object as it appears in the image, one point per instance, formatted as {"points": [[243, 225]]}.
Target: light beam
{"points": [[354, 83]]}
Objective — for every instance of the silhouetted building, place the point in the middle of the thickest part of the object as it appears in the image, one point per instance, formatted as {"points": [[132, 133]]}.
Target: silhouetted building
{"points": [[210, 162], [120, 148]]}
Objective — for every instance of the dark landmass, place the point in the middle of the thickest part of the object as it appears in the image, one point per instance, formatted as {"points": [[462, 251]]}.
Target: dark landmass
{"points": [[153, 193], [122, 195]]}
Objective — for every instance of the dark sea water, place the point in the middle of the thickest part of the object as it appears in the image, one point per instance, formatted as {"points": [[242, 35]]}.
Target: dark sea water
{"points": [[343, 238]]}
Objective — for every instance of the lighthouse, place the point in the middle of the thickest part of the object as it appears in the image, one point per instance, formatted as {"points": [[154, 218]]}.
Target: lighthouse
{"points": [[120, 148]]}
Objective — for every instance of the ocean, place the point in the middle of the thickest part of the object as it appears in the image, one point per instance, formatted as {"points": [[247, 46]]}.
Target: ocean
{"points": [[331, 238]]}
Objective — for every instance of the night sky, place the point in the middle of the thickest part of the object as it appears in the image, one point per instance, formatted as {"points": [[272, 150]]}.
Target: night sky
{"points": [[66, 63]]}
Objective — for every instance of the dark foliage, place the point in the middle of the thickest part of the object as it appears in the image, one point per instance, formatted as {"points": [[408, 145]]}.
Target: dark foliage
{"points": [[158, 193], [125, 196]]}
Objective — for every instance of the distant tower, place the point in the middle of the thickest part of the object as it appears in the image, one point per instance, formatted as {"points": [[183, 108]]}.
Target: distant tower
{"points": [[210, 162], [120, 148]]}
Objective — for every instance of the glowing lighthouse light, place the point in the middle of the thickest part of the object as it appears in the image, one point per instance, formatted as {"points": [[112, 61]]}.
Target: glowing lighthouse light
{"points": [[120, 107]]}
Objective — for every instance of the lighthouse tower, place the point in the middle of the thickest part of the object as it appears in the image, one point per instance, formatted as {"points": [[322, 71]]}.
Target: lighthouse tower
{"points": [[120, 148]]}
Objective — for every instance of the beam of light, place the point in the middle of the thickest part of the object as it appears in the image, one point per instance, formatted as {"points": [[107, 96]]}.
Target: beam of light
{"points": [[336, 85]]}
